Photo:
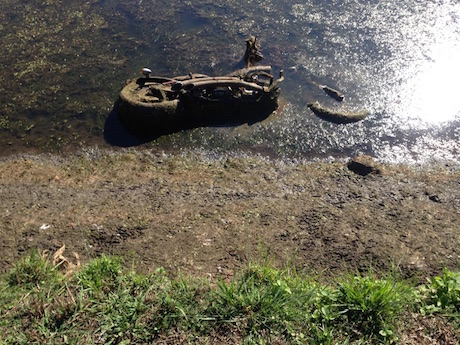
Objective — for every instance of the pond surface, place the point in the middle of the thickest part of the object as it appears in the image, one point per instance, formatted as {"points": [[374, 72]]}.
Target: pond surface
{"points": [[64, 63]]}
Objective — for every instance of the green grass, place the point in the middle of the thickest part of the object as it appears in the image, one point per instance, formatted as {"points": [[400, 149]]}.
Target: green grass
{"points": [[103, 302]]}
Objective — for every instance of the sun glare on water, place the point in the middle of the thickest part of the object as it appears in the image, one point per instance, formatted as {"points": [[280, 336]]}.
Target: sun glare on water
{"points": [[431, 92]]}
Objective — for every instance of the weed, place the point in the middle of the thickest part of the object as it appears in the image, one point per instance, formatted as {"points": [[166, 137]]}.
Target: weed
{"points": [[442, 294]]}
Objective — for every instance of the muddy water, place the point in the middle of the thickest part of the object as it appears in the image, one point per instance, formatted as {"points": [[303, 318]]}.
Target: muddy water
{"points": [[63, 64]]}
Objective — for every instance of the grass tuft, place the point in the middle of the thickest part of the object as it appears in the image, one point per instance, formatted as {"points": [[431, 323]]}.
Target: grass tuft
{"points": [[372, 306], [32, 271], [101, 274], [265, 301]]}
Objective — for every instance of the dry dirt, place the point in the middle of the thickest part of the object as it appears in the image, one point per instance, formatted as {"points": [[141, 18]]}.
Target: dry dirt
{"points": [[207, 217]]}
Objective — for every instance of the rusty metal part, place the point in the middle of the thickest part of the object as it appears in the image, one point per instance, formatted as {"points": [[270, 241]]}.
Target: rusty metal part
{"points": [[252, 54]]}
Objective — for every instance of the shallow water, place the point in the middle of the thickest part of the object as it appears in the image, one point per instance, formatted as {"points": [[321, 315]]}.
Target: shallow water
{"points": [[64, 64]]}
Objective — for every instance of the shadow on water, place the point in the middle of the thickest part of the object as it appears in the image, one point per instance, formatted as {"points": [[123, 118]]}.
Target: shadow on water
{"points": [[116, 133]]}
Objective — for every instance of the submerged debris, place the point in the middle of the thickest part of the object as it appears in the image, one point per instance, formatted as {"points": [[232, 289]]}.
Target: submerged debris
{"points": [[337, 116], [165, 104]]}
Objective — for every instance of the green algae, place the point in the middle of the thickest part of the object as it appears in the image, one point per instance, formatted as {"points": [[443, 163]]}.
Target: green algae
{"points": [[63, 66]]}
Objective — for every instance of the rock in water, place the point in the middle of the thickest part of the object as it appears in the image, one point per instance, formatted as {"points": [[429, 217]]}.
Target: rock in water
{"points": [[337, 95], [337, 116]]}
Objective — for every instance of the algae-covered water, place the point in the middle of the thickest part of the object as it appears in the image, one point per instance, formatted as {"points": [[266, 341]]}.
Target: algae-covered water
{"points": [[64, 62]]}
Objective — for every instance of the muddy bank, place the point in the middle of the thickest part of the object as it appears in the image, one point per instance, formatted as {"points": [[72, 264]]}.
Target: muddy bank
{"points": [[209, 216]]}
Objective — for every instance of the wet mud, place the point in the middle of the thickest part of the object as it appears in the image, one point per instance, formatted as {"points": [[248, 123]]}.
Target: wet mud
{"points": [[209, 216]]}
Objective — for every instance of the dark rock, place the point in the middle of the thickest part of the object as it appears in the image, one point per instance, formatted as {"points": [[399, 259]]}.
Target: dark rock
{"points": [[364, 165], [434, 198]]}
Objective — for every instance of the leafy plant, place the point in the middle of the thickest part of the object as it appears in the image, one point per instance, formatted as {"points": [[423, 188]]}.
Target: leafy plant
{"points": [[442, 294]]}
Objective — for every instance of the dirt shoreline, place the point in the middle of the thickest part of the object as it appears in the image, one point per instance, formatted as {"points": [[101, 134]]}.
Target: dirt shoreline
{"points": [[207, 217]]}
